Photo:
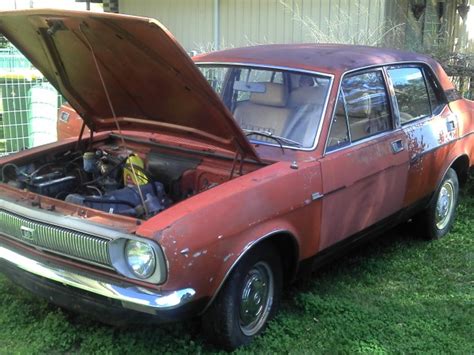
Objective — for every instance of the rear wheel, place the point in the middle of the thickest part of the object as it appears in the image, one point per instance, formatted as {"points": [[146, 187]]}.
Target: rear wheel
{"points": [[248, 300], [438, 219]]}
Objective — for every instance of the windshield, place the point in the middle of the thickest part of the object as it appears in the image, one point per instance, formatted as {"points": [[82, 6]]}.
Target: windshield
{"points": [[272, 103]]}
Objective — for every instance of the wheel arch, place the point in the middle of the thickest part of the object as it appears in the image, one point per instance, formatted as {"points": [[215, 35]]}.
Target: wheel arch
{"points": [[284, 241], [461, 166], [288, 249]]}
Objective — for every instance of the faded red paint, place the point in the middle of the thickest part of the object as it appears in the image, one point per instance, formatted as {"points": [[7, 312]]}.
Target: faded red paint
{"points": [[153, 68], [69, 123], [325, 58], [372, 181], [323, 200]]}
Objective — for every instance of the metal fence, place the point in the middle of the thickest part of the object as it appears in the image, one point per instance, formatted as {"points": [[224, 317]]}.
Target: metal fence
{"points": [[11, 59], [28, 104]]}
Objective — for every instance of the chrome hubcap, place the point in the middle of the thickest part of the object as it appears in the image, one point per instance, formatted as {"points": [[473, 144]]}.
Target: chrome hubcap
{"points": [[256, 298], [444, 205]]}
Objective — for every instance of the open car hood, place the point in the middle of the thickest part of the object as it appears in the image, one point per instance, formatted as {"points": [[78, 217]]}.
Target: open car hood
{"points": [[151, 82]]}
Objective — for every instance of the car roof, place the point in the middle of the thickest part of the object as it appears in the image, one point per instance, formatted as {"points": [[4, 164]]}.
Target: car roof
{"points": [[325, 58]]}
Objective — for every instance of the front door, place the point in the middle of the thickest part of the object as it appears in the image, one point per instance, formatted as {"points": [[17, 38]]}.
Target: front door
{"points": [[365, 167]]}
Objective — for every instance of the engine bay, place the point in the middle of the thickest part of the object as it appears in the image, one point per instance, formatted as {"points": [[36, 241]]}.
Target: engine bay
{"points": [[113, 179]]}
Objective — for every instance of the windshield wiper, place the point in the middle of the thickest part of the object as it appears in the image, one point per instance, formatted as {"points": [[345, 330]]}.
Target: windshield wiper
{"points": [[279, 139]]}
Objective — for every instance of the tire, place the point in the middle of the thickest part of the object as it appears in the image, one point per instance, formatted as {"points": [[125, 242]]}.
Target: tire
{"points": [[249, 298], [439, 217]]}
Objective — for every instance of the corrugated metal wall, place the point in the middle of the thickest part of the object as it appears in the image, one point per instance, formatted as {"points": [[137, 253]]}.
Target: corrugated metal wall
{"points": [[246, 22], [190, 21]]}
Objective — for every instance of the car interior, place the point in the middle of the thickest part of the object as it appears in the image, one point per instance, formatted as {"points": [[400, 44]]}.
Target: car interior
{"points": [[274, 106], [291, 108], [266, 111], [366, 111]]}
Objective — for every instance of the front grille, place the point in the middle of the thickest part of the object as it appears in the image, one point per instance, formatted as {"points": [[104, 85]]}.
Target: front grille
{"points": [[55, 239]]}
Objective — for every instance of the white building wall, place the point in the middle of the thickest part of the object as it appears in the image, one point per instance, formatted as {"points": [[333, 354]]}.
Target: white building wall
{"points": [[56, 4], [246, 22]]}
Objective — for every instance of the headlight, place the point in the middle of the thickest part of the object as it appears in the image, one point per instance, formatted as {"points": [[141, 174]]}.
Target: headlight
{"points": [[140, 258]]}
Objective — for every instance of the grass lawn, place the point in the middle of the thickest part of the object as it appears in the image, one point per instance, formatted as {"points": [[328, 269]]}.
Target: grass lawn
{"points": [[395, 294]]}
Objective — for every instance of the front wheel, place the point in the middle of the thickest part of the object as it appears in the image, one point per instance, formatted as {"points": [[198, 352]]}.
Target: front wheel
{"points": [[439, 217], [248, 300]]}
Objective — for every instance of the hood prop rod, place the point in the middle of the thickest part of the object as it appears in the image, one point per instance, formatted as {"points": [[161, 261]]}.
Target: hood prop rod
{"points": [[239, 156], [109, 101], [79, 138]]}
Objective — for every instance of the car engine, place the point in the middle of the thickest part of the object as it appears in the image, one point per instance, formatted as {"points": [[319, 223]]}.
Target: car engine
{"points": [[113, 180]]}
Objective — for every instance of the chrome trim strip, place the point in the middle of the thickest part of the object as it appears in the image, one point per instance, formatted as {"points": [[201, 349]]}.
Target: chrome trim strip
{"points": [[364, 140], [57, 240], [295, 70], [250, 64], [316, 196], [67, 222], [392, 99], [131, 296], [53, 225]]}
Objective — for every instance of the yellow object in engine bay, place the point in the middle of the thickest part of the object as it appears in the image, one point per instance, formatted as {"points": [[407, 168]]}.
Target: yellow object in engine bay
{"points": [[139, 178]]}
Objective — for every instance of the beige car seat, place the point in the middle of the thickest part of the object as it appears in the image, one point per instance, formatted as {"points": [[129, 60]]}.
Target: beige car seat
{"points": [[339, 133], [265, 112], [306, 105], [359, 111]]}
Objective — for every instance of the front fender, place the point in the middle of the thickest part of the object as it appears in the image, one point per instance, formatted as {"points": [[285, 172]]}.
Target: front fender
{"points": [[205, 235]]}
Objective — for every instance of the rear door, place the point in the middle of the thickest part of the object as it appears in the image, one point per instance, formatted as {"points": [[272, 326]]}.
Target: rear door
{"points": [[428, 123], [366, 163]]}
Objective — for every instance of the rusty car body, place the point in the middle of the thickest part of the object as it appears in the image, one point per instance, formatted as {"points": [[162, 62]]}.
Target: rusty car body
{"points": [[249, 167], [69, 123]]}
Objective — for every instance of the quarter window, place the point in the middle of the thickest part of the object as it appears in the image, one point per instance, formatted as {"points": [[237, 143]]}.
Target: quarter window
{"points": [[411, 93], [436, 98], [339, 135]]}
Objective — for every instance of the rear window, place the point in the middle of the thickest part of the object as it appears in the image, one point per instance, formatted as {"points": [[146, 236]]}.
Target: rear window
{"points": [[411, 93]]}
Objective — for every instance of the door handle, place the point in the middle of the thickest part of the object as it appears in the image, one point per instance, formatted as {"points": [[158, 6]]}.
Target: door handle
{"points": [[397, 146]]}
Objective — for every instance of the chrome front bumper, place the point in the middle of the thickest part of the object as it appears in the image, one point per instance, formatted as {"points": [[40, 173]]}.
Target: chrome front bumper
{"points": [[132, 297]]}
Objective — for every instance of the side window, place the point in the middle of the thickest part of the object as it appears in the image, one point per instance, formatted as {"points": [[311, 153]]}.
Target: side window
{"points": [[436, 98], [367, 106], [411, 94], [339, 134]]}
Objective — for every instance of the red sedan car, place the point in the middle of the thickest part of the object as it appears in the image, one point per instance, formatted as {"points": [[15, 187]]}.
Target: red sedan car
{"points": [[206, 185]]}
